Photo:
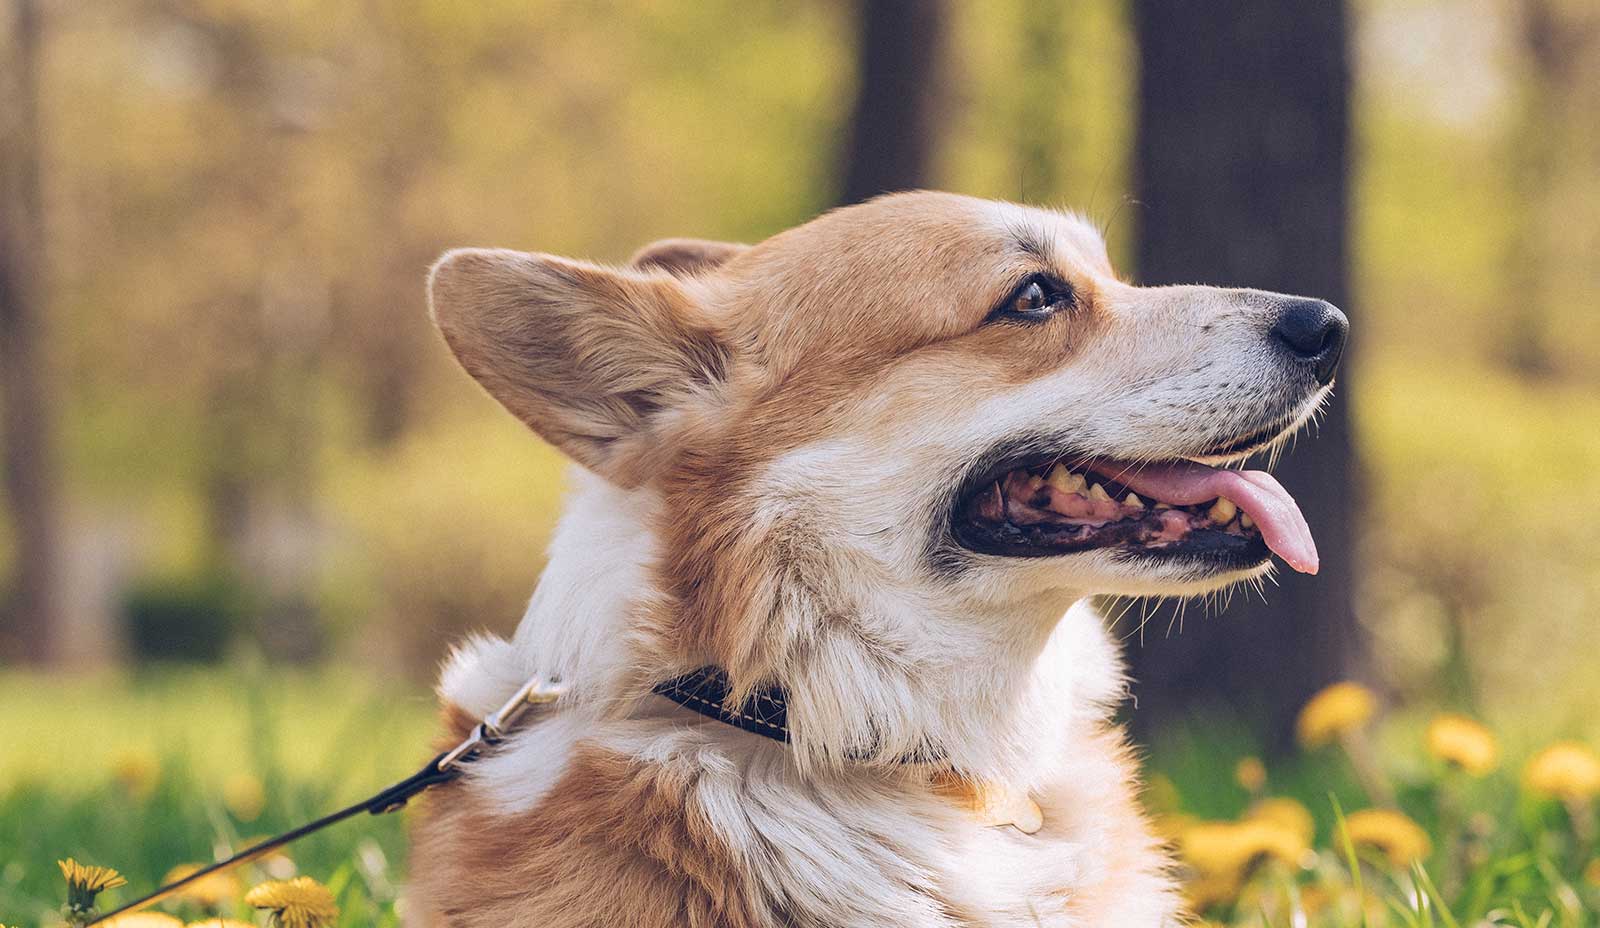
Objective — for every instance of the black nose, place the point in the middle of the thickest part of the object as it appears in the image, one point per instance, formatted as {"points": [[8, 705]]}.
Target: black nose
{"points": [[1314, 332]]}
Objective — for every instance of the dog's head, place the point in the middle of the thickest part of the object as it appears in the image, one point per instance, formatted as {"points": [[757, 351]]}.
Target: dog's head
{"points": [[946, 401]]}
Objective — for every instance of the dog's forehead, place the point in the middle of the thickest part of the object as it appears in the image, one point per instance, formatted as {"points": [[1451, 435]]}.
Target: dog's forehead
{"points": [[1066, 239], [926, 232], [900, 270]]}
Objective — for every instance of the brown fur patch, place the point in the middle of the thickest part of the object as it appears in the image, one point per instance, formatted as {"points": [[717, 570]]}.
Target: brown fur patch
{"points": [[615, 842]]}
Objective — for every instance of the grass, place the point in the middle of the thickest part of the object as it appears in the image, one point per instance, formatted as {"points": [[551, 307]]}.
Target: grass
{"points": [[150, 771], [147, 772]]}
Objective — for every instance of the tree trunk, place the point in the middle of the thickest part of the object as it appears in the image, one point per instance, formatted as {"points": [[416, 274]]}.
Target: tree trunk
{"points": [[34, 613], [893, 125], [1242, 173], [1551, 159]]}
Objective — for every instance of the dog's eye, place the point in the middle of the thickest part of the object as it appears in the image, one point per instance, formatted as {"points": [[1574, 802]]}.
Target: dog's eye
{"points": [[1036, 299]]}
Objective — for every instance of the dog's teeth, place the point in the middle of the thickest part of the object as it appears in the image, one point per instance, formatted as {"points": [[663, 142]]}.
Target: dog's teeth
{"points": [[1133, 501], [1222, 511], [1034, 482], [1163, 506], [1245, 521], [1098, 493], [1064, 480]]}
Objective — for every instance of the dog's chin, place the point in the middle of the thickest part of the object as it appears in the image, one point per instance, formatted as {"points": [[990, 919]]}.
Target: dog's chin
{"points": [[1174, 577]]}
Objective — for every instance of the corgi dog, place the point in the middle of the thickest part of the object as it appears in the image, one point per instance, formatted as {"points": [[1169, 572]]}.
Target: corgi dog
{"points": [[820, 596]]}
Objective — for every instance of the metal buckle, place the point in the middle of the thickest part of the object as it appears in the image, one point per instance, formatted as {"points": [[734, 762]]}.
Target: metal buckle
{"points": [[494, 727]]}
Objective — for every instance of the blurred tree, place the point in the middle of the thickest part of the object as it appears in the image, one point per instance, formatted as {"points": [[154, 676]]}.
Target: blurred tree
{"points": [[1039, 117], [403, 111], [1241, 168], [894, 122], [25, 380], [1553, 154]]}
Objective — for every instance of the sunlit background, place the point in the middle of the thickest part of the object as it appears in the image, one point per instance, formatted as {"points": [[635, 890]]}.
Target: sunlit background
{"points": [[234, 441]]}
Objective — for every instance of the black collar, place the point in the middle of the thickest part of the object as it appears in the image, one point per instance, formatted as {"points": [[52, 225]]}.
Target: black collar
{"points": [[765, 713], [706, 690]]}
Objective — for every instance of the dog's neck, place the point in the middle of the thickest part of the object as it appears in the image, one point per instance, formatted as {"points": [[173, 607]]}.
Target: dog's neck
{"points": [[986, 691]]}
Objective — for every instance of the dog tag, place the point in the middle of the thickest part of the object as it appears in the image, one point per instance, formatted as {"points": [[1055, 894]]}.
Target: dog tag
{"points": [[992, 803]]}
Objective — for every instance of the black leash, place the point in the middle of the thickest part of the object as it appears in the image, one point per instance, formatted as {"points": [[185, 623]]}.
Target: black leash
{"points": [[442, 769]]}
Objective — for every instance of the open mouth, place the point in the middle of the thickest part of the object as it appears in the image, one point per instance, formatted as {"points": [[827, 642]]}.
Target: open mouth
{"points": [[1172, 510]]}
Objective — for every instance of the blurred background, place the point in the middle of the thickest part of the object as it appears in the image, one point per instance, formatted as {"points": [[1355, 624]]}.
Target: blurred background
{"points": [[231, 439]]}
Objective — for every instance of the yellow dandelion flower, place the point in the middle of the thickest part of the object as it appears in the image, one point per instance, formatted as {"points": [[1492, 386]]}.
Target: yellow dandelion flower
{"points": [[85, 882], [298, 903], [1233, 849], [1251, 774], [220, 923], [1334, 712], [90, 879], [143, 920], [244, 796], [211, 890], [1286, 814], [136, 771], [1565, 770], [1392, 833], [1464, 743]]}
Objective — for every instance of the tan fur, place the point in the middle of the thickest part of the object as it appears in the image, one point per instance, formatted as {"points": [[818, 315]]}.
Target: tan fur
{"points": [[580, 373], [610, 824]]}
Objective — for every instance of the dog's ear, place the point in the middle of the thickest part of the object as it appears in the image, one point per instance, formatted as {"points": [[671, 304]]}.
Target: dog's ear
{"points": [[588, 356], [685, 256]]}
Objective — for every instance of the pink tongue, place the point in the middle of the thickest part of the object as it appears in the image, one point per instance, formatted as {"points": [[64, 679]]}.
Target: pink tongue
{"points": [[1256, 492]]}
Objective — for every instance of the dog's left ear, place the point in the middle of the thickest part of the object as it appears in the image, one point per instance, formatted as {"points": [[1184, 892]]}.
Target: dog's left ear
{"points": [[592, 358], [684, 257]]}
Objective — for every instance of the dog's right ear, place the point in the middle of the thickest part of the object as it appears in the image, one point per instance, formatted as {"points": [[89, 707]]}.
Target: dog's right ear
{"points": [[590, 357], [686, 256]]}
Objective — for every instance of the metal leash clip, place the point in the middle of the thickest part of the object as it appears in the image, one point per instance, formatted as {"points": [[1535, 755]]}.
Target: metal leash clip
{"points": [[492, 730]]}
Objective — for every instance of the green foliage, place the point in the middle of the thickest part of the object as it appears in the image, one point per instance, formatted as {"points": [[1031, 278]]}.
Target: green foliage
{"points": [[143, 773], [148, 772]]}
